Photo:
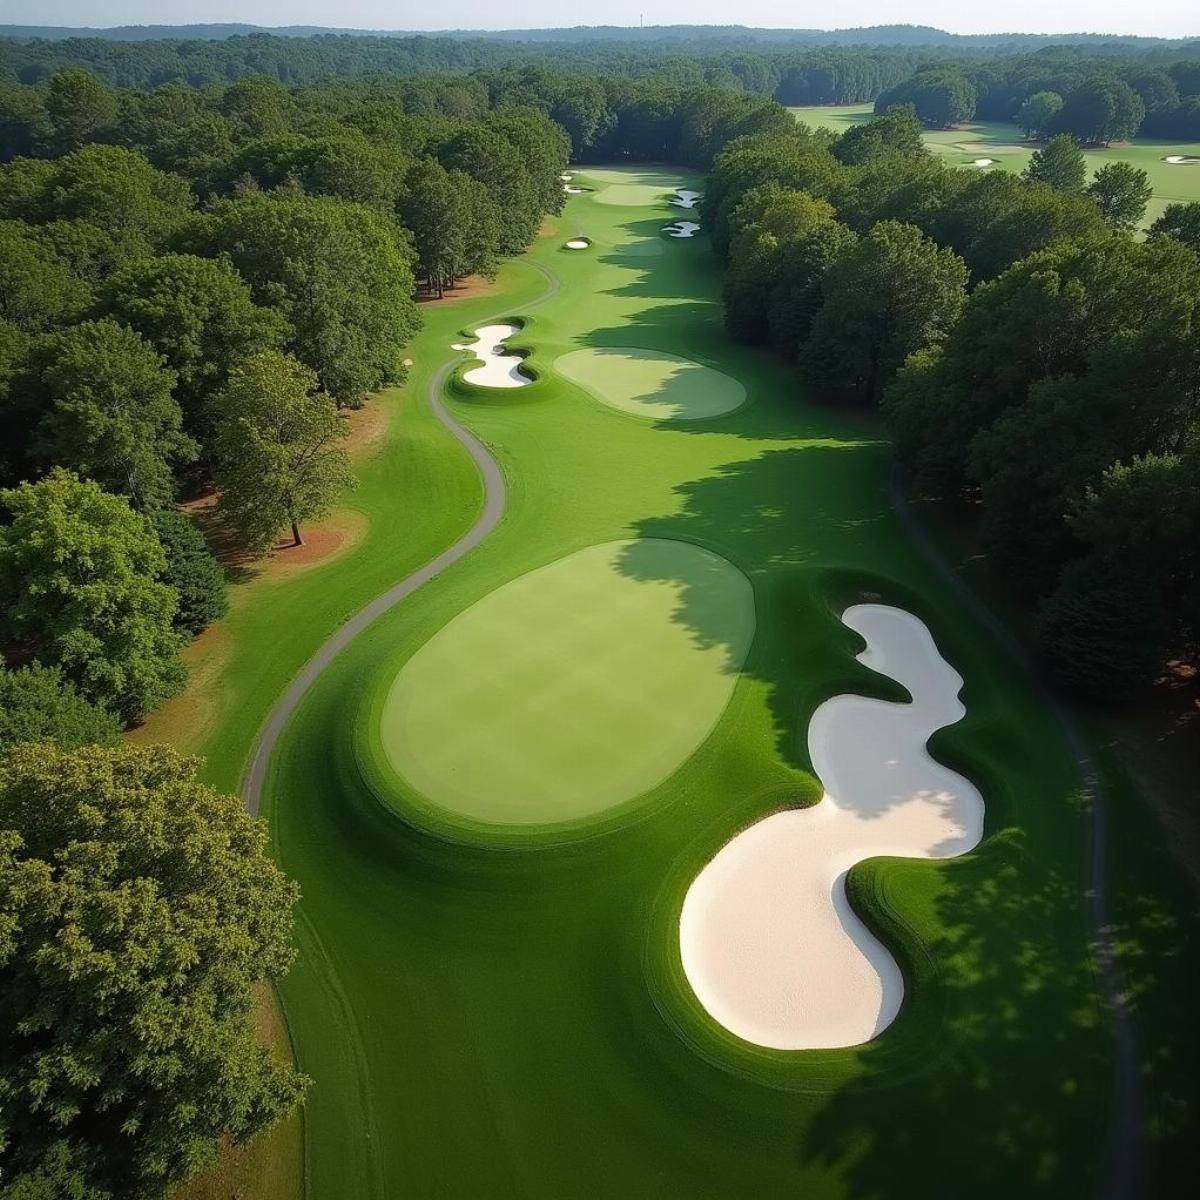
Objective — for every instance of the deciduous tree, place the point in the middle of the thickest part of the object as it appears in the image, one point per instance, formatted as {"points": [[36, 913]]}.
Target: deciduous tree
{"points": [[277, 455], [138, 908], [80, 589]]}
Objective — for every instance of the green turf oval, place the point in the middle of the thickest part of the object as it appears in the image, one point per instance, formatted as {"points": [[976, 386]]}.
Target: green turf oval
{"points": [[649, 383], [573, 688]]}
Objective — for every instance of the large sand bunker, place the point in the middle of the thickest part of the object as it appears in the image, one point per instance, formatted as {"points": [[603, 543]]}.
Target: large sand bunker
{"points": [[573, 688], [1182, 160], [685, 198], [769, 942], [577, 244], [649, 383], [500, 367], [681, 229]]}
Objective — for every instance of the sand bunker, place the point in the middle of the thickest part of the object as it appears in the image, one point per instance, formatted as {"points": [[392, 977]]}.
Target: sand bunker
{"points": [[984, 162], [767, 936], [685, 199], [681, 229], [500, 367], [571, 190], [1178, 160], [573, 688], [578, 244], [649, 383], [566, 177]]}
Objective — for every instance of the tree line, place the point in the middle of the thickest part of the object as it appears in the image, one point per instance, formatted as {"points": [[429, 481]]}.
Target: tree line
{"points": [[947, 79], [1096, 99], [1032, 357]]}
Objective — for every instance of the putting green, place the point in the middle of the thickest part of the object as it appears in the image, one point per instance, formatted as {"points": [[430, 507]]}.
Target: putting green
{"points": [[573, 688], [632, 194], [649, 383]]}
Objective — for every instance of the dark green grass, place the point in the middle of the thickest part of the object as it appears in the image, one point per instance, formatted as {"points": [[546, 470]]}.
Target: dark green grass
{"points": [[488, 1020]]}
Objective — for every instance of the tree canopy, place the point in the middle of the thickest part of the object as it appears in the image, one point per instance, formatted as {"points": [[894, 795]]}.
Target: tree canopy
{"points": [[137, 910]]}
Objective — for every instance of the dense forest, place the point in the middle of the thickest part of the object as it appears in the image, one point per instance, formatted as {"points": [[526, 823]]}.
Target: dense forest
{"points": [[1034, 359], [947, 79]]}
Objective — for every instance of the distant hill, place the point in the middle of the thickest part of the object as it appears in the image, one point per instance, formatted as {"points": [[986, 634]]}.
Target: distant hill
{"points": [[873, 35]]}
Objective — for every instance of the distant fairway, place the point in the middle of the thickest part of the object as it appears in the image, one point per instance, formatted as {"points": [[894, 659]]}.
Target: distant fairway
{"points": [[649, 383], [573, 688], [632, 188], [1172, 182]]}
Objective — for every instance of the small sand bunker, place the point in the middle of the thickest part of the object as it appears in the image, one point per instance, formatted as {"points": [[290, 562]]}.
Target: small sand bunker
{"points": [[500, 367], [984, 162], [681, 229], [769, 942], [1182, 160], [572, 190], [578, 244], [685, 199], [566, 177]]}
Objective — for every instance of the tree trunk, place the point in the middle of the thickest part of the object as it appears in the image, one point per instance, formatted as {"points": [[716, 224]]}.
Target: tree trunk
{"points": [[297, 540]]}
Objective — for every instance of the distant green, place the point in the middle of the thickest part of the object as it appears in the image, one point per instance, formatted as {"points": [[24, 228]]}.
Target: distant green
{"points": [[1003, 142]]}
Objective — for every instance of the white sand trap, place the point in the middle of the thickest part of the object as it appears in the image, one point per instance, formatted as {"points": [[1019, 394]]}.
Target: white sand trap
{"points": [[768, 939], [571, 190], [681, 229], [501, 368], [578, 244], [566, 177], [685, 199], [984, 162], [1177, 160]]}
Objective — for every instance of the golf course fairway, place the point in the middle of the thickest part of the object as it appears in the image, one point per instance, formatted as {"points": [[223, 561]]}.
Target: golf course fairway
{"points": [[489, 995]]}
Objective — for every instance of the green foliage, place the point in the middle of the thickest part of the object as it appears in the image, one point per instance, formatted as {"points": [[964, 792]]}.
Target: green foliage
{"points": [[1121, 191], [192, 571], [1059, 164], [79, 107], [1101, 630], [79, 588], [37, 290], [137, 910], [1100, 111], [38, 705], [893, 293], [1181, 222], [1036, 115], [942, 97], [277, 459], [454, 223], [340, 273], [199, 315], [109, 411], [897, 131]]}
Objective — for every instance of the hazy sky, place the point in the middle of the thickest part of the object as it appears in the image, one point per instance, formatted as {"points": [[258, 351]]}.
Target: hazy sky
{"points": [[1167, 18]]}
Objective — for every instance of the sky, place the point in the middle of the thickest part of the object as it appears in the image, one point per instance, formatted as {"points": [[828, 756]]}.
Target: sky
{"points": [[1163, 18]]}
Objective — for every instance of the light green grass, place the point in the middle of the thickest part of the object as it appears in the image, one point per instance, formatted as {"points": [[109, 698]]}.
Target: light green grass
{"points": [[494, 1018], [651, 384], [1003, 141], [572, 689]]}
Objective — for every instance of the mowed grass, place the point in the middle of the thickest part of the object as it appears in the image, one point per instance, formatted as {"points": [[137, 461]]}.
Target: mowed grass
{"points": [[568, 691], [648, 383], [1172, 182], [498, 1019], [493, 1021]]}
